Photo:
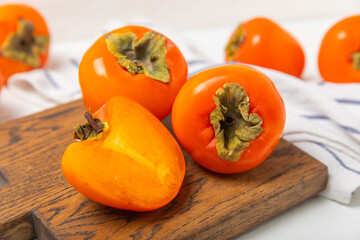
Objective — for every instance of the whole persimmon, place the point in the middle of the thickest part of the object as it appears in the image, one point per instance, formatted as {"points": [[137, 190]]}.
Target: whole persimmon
{"points": [[135, 62], [228, 118], [24, 39], [262, 42], [339, 54]]}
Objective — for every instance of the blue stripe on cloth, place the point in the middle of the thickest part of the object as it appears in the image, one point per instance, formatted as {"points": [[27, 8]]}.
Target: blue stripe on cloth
{"points": [[74, 62], [192, 62], [348, 101], [336, 157], [51, 79], [323, 117], [315, 117], [350, 129]]}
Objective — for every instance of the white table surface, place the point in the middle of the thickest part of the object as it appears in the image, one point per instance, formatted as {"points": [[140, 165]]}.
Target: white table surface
{"points": [[317, 218]]}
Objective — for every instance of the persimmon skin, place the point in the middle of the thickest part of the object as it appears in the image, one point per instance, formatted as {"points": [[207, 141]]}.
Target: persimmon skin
{"points": [[268, 45], [136, 165], [194, 103], [340, 41], [102, 77], [9, 16]]}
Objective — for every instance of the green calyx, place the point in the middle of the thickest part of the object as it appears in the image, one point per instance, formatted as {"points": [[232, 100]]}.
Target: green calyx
{"points": [[24, 46], [146, 55], [236, 40], [233, 125], [355, 57], [91, 129]]}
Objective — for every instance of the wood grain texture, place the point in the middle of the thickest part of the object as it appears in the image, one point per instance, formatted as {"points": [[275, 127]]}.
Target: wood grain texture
{"points": [[37, 202]]}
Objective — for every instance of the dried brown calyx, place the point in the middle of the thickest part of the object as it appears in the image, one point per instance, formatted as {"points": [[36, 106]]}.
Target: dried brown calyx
{"points": [[236, 40], [24, 46], [146, 55], [233, 125]]}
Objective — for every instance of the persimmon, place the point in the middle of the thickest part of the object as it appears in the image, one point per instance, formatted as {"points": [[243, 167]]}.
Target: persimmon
{"points": [[228, 118], [339, 53], [262, 42], [125, 158], [135, 62], [24, 39]]}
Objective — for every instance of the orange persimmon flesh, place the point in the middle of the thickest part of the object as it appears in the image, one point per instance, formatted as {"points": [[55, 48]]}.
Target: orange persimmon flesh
{"points": [[135, 164]]}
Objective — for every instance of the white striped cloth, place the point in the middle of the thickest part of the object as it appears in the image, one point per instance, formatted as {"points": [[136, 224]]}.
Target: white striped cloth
{"points": [[324, 121]]}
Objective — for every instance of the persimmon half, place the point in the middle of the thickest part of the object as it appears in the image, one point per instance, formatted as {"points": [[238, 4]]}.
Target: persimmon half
{"points": [[339, 53], [24, 39], [262, 42], [135, 62], [124, 158]]}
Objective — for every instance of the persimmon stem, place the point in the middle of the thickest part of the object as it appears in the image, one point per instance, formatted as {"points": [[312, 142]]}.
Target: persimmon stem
{"points": [[91, 128], [98, 129]]}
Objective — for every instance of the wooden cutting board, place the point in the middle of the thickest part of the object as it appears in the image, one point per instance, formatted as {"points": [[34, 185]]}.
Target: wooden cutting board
{"points": [[37, 202]]}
